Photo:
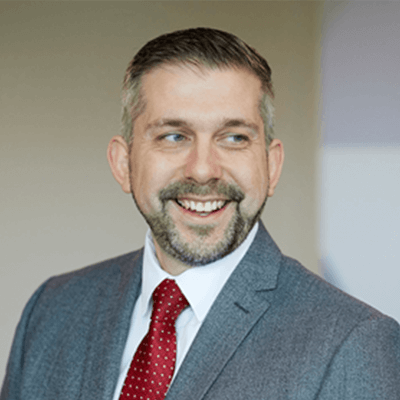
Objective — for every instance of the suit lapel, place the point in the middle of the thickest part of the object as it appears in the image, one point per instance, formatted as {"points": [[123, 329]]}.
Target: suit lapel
{"points": [[115, 302], [241, 303]]}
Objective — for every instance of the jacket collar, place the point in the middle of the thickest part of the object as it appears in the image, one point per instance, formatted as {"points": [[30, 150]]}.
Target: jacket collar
{"points": [[246, 296]]}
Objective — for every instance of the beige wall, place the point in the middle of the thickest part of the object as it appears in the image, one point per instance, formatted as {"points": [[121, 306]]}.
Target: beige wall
{"points": [[60, 71]]}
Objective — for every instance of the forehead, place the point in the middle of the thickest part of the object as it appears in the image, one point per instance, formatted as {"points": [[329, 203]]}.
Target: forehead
{"points": [[200, 92]]}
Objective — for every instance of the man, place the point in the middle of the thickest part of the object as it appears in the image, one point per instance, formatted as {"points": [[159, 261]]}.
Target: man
{"points": [[199, 157]]}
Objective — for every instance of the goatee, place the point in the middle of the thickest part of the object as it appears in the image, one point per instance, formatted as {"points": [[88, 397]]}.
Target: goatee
{"points": [[197, 252]]}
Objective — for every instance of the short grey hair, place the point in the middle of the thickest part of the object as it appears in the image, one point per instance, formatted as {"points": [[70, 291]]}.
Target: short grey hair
{"points": [[199, 47]]}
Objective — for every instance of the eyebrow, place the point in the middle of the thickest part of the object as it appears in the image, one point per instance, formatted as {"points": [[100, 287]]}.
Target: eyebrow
{"points": [[239, 123], [175, 123], [225, 123]]}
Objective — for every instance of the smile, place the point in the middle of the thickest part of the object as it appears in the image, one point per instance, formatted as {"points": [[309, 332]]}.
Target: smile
{"points": [[204, 208]]}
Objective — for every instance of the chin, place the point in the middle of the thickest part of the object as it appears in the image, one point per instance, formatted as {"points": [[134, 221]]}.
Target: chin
{"points": [[203, 248]]}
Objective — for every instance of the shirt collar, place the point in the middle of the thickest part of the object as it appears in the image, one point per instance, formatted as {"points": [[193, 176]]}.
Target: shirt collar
{"points": [[200, 285]]}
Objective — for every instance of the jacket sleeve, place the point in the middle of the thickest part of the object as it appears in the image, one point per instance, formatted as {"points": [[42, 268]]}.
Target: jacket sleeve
{"points": [[15, 367], [367, 364]]}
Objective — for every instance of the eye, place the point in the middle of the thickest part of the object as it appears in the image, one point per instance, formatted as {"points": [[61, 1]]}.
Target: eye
{"points": [[173, 137], [236, 139]]}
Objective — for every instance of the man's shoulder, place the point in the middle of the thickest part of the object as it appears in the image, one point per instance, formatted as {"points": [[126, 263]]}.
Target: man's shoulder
{"points": [[99, 271], [67, 298], [70, 310], [312, 296], [301, 295], [93, 281]]}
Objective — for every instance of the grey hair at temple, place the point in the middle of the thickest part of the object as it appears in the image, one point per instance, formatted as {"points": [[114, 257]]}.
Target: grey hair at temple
{"points": [[198, 47]]}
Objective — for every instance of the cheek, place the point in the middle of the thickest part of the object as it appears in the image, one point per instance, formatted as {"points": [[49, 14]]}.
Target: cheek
{"points": [[253, 179], [148, 178], [261, 181]]}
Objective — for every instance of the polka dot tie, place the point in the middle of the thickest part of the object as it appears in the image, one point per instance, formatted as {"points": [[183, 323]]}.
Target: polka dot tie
{"points": [[153, 364]]}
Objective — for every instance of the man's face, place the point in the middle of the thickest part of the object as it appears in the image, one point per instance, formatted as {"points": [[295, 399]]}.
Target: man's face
{"points": [[198, 161]]}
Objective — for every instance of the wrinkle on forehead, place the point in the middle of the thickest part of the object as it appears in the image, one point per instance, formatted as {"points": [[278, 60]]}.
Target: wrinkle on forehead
{"points": [[176, 98]]}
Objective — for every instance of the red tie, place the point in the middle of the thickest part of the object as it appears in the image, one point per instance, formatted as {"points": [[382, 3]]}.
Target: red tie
{"points": [[153, 364]]}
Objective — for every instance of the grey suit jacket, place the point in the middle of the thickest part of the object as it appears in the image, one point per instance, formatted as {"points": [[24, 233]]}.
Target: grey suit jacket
{"points": [[276, 331]]}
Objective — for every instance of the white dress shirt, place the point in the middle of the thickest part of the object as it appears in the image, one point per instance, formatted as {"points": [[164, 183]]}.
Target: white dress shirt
{"points": [[200, 285]]}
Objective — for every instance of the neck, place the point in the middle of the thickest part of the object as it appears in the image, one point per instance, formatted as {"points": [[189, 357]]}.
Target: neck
{"points": [[168, 263]]}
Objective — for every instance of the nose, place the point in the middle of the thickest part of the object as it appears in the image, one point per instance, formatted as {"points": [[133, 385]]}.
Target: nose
{"points": [[203, 164]]}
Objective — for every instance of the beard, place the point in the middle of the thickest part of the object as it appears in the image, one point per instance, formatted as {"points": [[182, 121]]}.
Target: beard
{"points": [[198, 252]]}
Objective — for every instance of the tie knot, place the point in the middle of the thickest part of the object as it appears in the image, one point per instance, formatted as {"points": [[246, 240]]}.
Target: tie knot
{"points": [[168, 302]]}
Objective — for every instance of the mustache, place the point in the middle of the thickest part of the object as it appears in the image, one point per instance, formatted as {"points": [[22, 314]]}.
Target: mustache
{"points": [[176, 189]]}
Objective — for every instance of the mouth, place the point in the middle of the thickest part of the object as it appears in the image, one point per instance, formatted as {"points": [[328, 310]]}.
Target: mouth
{"points": [[202, 208]]}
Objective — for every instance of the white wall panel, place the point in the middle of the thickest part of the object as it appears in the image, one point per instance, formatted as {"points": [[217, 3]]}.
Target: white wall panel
{"points": [[360, 151]]}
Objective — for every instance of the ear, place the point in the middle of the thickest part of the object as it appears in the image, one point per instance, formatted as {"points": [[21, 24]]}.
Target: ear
{"points": [[275, 162], [118, 158]]}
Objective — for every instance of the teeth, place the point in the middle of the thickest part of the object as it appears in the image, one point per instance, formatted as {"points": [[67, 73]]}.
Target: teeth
{"points": [[201, 207]]}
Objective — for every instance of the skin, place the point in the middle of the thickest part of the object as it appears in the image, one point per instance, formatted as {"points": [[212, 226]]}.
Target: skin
{"points": [[200, 138]]}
